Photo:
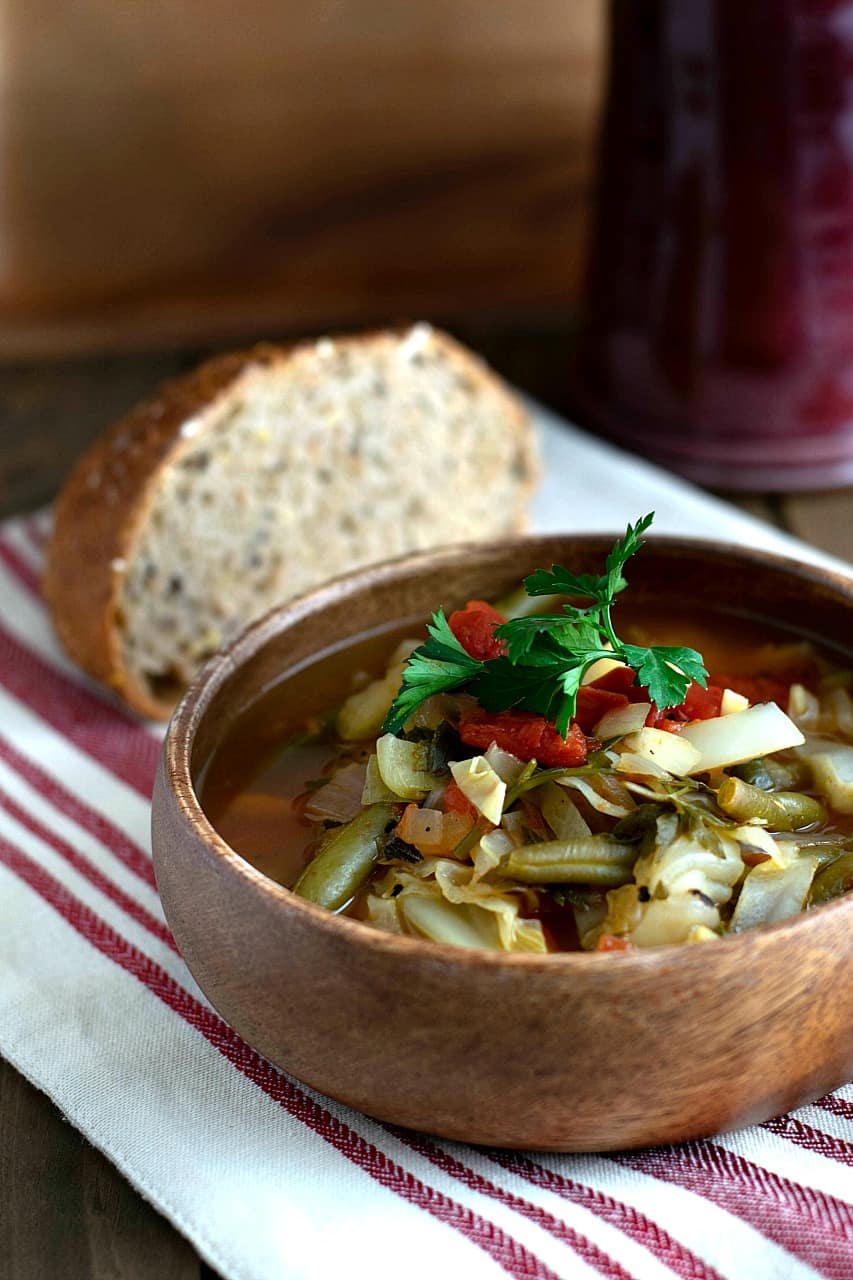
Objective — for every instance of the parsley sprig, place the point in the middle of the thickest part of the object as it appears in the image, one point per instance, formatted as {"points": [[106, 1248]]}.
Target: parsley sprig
{"points": [[548, 655]]}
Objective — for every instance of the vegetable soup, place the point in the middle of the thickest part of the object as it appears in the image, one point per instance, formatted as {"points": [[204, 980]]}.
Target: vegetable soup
{"points": [[527, 779]]}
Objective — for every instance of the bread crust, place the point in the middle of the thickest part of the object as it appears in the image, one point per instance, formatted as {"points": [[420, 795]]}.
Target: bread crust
{"points": [[104, 501]]}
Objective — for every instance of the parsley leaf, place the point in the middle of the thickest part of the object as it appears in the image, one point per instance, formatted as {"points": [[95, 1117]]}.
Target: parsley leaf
{"points": [[561, 582], [434, 667], [622, 552], [548, 655], [656, 671]]}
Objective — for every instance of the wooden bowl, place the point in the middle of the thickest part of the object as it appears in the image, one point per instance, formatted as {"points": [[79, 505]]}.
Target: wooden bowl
{"points": [[571, 1052]]}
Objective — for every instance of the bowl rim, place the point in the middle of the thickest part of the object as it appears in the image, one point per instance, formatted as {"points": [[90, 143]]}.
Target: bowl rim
{"points": [[178, 743]]}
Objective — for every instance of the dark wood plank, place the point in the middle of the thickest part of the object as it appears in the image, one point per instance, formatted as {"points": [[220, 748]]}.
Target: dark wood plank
{"points": [[823, 519], [66, 1210], [763, 506], [50, 412]]}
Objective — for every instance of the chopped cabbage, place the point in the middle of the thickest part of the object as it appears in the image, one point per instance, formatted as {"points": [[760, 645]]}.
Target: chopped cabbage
{"points": [[451, 908], [833, 776], [710, 866], [482, 785]]}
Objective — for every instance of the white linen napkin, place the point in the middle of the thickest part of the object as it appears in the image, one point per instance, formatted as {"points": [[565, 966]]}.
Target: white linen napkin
{"points": [[268, 1179]]}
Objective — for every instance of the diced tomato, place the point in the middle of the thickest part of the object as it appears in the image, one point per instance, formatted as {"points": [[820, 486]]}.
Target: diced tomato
{"points": [[526, 735], [456, 801], [668, 721], [702, 704], [621, 680], [474, 628], [699, 704], [609, 942], [593, 702]]}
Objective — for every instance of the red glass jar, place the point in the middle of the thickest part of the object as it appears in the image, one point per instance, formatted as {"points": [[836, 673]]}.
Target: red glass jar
{"points": [[718, 331]]}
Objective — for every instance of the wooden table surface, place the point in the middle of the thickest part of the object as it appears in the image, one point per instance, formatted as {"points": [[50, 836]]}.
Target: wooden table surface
{"points": [[66, 1211]]}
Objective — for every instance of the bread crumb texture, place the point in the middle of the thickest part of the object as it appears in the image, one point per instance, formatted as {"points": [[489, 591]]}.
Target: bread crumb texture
{"points": [[336, 455]]}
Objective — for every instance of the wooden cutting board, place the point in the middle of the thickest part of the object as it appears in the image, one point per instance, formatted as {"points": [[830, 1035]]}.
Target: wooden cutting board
{"points": [[193, 172]]}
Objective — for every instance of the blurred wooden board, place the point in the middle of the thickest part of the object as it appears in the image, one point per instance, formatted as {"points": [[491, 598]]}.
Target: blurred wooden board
{"points": [[181, 175]]}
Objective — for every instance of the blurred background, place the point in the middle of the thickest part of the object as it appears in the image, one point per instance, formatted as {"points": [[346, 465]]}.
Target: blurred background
{"points": [[639, 210], [178, 177]]}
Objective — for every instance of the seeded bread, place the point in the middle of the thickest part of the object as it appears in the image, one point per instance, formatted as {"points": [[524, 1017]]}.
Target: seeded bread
{"points": [[261, 474]]}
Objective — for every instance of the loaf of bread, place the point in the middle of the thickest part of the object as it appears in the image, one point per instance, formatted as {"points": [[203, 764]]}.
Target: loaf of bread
{"points": [[261, 474]]}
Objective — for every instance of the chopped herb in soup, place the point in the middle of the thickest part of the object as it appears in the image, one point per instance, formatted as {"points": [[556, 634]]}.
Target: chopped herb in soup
{"points": [[528, 778]]}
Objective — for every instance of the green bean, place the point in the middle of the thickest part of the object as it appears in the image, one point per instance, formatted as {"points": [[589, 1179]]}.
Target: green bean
{"points": [[771, 775], [755, 772], [832, 880], [341, 867], [781, 810], [596, 860]]}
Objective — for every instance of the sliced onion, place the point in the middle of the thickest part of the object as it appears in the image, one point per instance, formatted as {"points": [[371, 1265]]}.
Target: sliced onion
{"points": [[340, 798], [375, 790], [621, 720], [431, 831], [561, 813], [758, 731], [670, 751], [617, 807], [505, 764], [402, 766], [771, 893]]}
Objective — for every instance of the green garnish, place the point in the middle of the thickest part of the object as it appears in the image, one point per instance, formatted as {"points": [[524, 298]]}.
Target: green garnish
{"points": [[548, 655], [434, 667]]}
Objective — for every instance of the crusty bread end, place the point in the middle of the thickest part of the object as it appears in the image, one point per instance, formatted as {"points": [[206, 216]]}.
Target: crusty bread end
{"points": [[263, 473]]}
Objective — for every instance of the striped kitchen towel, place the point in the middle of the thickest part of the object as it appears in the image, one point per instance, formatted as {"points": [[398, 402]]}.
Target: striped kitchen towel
{"points": [[268, 1179]]}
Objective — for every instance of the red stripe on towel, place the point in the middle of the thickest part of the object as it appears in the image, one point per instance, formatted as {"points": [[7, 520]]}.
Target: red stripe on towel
{"points": [[560, 1230], [811, 1139], [814, 1227], [836, 1106], [86, 868], [624, 1217], [111, 836], [103, 731], [21, 568], [507, 1252]]}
